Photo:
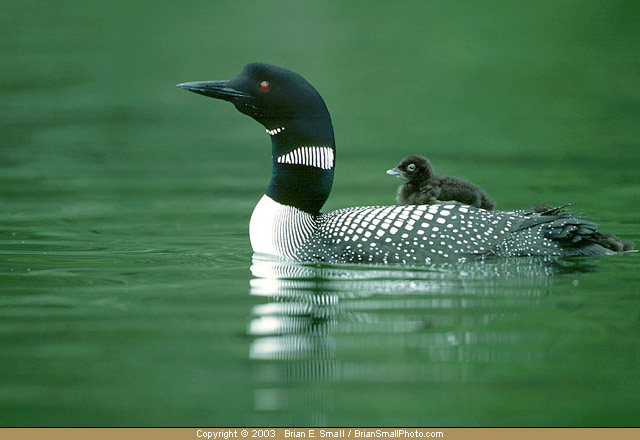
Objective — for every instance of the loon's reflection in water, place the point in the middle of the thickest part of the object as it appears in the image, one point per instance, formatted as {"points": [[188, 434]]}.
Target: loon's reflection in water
{"points": [[324, 328]]}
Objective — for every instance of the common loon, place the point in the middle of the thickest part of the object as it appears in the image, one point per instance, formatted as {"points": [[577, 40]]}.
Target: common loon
{"points": [[422, 186], [287, 222]]}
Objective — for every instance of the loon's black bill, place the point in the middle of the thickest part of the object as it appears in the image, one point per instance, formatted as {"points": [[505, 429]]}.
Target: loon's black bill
{"points": [[214, 89], [394, 172]]}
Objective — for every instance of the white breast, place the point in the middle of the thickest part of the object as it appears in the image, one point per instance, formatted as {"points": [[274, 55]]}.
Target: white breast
{"points": [[279, 230]]}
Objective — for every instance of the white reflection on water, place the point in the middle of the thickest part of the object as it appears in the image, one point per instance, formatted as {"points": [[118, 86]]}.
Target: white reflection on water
{"points": [[387, 325]]}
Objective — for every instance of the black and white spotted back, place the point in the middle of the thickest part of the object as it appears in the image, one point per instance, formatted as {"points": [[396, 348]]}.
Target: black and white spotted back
{"points": [[423, 233]]}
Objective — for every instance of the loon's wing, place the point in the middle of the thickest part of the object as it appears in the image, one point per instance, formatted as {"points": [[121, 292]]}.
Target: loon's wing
{"points": [[424, 233], [404, 234]]}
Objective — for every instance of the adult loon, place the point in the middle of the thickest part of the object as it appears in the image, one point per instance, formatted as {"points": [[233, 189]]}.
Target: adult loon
{"points": [[287, 222], [422, 186]]}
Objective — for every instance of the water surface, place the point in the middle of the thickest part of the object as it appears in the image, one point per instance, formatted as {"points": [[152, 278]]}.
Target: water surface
{"points": [[129, 294]]}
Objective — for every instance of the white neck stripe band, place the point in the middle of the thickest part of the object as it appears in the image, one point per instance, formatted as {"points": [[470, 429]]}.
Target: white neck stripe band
{"points": [[319, 157], [275, 131]]}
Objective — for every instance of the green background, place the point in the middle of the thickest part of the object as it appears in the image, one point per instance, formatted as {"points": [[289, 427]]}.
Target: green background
{"points": [[125, 294]]}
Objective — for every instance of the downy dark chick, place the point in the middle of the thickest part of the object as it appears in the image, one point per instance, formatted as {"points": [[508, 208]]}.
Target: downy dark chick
{"points": [[423, 186]]}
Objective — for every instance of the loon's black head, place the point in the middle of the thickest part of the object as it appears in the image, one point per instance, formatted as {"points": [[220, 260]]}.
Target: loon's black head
{"points": [[275, 97], [296, 117], [413, 169]]}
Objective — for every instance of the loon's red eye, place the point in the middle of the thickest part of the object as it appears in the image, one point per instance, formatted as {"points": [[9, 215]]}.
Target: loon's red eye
{"points": [[264, 85]]}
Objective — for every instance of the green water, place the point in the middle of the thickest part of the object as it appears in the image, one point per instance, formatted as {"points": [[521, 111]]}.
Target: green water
{"points": [[128, 292]]}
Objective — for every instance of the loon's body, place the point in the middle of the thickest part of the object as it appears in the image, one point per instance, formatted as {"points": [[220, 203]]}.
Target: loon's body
{"points": [[412, 234], [287, 221], [423, 186]]}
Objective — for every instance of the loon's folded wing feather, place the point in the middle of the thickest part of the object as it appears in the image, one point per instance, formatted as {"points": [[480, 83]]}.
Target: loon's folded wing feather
{"points": [[575, 235], [424, 233], [413, 233]]}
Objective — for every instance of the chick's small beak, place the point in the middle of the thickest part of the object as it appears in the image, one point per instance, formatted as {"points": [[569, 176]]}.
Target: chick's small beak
{"points": [[394, 172]]}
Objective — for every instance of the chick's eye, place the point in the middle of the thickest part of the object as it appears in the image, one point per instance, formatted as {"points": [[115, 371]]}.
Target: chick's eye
{"points": [[264, 85], [411, 167]]}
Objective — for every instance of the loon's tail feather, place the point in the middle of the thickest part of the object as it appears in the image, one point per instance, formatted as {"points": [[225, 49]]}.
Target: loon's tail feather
{"points": [[613, 242], [588, 250], [570, 231], [550, 209], [577, 236]]}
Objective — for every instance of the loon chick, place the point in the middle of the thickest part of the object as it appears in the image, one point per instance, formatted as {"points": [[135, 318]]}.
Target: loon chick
{"points": [[422, 186], [287, 222]]}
